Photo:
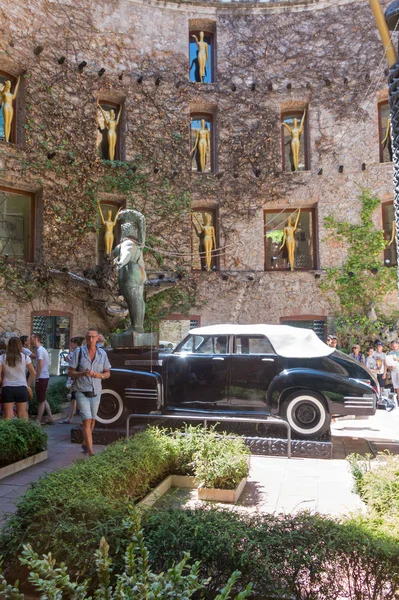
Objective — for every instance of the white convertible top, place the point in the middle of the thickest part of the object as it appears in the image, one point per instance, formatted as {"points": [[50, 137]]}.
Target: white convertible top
{"points": [[289, 342]]}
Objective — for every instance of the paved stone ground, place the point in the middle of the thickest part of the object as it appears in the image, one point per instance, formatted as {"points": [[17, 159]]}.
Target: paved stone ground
{"points": [[275, 484]]}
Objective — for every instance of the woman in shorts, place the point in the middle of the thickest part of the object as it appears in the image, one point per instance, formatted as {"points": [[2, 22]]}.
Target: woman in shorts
{"points": [[13, 366]]}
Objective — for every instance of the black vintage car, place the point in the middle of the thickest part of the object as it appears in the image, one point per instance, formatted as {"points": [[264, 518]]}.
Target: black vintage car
{"points": [[247, 370]]}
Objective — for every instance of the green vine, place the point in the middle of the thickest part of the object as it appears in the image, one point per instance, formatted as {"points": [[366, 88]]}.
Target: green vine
{"points": [[362, 281], [176, 299]]}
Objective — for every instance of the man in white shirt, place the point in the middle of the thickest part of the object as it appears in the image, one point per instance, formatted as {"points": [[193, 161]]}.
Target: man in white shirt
{"points": [[42, 378]]}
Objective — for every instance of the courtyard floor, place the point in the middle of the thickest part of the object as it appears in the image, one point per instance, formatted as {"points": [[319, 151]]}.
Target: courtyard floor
{"points": [[275, 484]]}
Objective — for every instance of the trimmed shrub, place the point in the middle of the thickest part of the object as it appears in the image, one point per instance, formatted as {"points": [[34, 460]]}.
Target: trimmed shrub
{"points": [[136, 582], [72, 509], [299, 557], [56, 396], [20, 439]]}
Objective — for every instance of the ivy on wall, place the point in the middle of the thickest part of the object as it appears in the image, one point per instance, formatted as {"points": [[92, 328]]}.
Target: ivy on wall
{"points": [[362, 282]]}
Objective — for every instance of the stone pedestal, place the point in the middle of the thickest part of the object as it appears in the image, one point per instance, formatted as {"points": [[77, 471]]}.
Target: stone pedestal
{"points": [[133, 339]]}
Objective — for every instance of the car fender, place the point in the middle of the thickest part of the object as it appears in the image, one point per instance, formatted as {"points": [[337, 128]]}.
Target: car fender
{"points": [[141, 391], [331, 386]]}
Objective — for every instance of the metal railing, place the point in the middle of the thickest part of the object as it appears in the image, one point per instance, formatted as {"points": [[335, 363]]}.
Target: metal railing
{"points": [[222, 419]]}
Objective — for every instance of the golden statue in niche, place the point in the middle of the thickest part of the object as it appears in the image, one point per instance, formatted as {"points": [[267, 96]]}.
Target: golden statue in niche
{"points": [[387, 141], [295, 133], [109, 225], [111, 124], [7, 99], [393, 236], [203, 142], [202, 55], [289, 239], [206, 235]]}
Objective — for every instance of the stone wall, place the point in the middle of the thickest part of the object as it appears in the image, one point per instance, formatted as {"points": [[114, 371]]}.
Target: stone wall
{"points": [[271, 56]]}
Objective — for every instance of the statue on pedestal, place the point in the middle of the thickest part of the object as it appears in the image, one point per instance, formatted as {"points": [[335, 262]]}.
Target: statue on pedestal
{"points": [[202, 55], [289, 239], [203, 142], [7, 99], [128, 259], [206, 234], [296, 133], [109, 225], [111, 124]]}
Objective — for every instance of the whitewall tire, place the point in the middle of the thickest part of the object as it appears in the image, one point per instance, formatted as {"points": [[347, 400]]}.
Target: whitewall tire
{"points": [[307, 414], [111, 407]]}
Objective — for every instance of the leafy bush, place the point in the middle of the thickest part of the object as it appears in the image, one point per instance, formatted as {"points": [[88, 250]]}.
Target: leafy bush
{"points": [[136, 582], [72, 509], [217, 460], [303, 557], [56, 396], [19, 439]]}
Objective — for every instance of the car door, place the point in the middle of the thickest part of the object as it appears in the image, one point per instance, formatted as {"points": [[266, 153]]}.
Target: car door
{"points": [[254, 364], [198, 374]]}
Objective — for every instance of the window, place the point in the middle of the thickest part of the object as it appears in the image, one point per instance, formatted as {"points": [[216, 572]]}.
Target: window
{"points": [[291, 123], [277, 257], [202, 143], [384, 127], [109, 211], [4, 78], [390, 254], [201, 52], [244, 344], [203, 240], [318, 325], [55, 330], [16, 223], [108, 136]]}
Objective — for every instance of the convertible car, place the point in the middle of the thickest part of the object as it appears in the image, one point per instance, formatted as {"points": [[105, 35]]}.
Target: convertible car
{"points": [[247, 370]]}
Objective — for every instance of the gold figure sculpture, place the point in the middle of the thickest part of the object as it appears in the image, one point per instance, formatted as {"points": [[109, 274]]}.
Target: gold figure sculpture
{"points": [[206, 234], [7, 99], [202, 55], [387, 141], [393, 235], [109, 225], [111, 124], [289, 239], [295, 133], [203, 142]]}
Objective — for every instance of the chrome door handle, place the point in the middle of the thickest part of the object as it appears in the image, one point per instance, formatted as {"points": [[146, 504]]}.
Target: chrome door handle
{"points": [[267, 359], [217, 358]]}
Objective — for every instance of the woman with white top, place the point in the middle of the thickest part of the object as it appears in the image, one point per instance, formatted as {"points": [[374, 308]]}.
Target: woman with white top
{"points": [[13, 366]]}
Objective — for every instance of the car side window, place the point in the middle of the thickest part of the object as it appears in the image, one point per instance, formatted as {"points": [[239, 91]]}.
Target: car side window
{"points": [[203, 345], [251, 344]]}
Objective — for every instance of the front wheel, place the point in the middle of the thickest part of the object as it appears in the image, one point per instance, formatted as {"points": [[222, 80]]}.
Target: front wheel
{"points": [[111, 409], [307, 414]]}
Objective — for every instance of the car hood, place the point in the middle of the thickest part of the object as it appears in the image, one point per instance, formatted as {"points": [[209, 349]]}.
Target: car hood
{"points": [[287, 341]]}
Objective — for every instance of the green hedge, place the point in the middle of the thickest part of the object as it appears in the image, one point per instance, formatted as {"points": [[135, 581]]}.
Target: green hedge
{"points": [[70, 510], [20, 439], [304, 556]]}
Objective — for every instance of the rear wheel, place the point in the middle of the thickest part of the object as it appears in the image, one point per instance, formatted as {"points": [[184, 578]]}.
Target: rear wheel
{"points": [[111, 409], [307, 414]]}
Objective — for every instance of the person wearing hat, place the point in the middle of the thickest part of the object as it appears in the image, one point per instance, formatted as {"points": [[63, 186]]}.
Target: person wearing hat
{"points": [[356, 354], [381, 359], [332, 341]]}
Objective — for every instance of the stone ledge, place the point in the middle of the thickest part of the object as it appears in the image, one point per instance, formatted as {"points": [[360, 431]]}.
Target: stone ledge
{"points": [[23, 464], [186, 481]]}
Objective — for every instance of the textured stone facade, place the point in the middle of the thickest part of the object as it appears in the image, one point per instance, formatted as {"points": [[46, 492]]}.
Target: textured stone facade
{"points": [[271, 57]]}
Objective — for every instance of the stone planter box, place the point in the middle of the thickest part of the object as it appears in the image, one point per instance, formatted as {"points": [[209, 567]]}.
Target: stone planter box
{"points": [[185, 481], [217, 495], [22, 464]]}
